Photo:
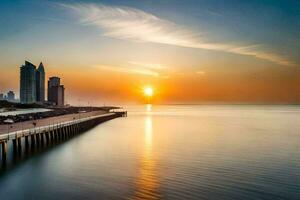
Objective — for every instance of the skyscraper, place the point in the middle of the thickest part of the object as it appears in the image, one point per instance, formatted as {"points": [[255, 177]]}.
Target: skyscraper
{"points": [[40, 83], [28, 83], [56, 92], [53, 82], [10, 96]]}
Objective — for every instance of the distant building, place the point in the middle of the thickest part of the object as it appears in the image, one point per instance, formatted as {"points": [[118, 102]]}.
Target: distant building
{"points": [[53, 82], [40, 83], [28, 83], [11, 96], [56, 91], [32, 83], [1, 96]]}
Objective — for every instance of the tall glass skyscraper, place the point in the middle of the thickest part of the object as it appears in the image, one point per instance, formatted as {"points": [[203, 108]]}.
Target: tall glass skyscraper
{"points": [[28, 83], [40, 83], [32, 83]]}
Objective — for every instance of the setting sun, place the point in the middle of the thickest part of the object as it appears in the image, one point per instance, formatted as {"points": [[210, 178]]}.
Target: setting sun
{"points": [[148, 91]]}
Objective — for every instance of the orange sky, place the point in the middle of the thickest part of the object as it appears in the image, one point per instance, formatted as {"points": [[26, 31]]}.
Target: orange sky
{"points": [[106, 53], [101, 86]]}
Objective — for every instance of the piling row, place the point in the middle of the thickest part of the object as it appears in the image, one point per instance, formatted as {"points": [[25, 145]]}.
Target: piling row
{"points": [[42, 139], [54, 135]]}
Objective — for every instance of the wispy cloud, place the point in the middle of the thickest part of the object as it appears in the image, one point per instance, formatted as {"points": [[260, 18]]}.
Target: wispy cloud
{"points": [[200, 72], [147, 65], [128, 70], [134, 24]]}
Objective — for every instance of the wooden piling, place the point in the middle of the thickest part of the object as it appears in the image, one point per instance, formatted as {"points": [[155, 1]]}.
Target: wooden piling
{"points": [[37, 139], [32, 141], [47, 135], [15, 146], [72, 132], [42, 138], [56, 135], [26, 138], [19, 143], [4, 150], [66, 131], [26, 142], [52, 136], [62, 134]]}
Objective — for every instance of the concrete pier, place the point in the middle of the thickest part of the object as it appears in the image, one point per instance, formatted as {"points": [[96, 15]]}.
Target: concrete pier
{"points": [[41, 137]]}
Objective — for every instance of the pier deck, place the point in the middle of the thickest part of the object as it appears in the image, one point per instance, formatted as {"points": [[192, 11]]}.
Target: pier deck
{"points": [[42, 132], [8, 128]]}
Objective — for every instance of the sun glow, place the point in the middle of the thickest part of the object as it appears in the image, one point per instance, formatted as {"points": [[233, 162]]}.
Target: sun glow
{"points": [[148, 91]]}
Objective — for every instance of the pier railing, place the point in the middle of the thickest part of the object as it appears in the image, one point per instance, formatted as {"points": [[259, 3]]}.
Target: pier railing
{"points": [[49, 134], [40, 129]]}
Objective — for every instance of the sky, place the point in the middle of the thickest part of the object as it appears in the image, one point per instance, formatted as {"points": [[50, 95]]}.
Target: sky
{"points": [[192, 51]]}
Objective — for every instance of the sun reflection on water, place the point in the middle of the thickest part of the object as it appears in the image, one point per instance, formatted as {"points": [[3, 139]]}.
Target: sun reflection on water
{"points": [[147, 183], [149, 108], [148, 133]]}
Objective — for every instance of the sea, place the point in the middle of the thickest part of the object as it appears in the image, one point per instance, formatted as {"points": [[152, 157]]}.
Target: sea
{"points": [[212, 152]]}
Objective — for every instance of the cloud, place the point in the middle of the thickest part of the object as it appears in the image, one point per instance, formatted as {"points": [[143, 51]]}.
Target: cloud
{"points": [[200, 72], [137, 25], [134, 70], [128, 70], [147, 65]]}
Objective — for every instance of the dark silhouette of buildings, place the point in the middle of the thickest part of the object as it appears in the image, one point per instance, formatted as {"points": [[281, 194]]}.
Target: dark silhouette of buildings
{"points": [[32, 86], [11, 96], [40, 83], [28, 83], [56, 91], [32, 83]]}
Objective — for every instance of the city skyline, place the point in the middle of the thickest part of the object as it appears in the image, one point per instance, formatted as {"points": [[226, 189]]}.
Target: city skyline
{"points": [[192, 52], [32, 86]]}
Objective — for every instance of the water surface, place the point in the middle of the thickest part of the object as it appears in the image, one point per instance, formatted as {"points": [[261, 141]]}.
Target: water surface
{"points": [[171, 152]]}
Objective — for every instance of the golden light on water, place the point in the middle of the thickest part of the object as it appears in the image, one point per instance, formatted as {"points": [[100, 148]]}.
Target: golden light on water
{"points": [[149, 108], [147, 184], [148, 133]]}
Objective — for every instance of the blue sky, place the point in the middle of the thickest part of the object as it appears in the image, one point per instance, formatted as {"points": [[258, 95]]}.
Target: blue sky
{"points": [[152, 38], [275, 24]]}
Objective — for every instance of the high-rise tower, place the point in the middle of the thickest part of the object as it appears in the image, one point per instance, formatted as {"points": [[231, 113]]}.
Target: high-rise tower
{"points": [[56, 91], [28, 83], [40, 83]]}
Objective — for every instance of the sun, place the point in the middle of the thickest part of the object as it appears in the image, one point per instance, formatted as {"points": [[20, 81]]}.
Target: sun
{"points": [[148, 91]]}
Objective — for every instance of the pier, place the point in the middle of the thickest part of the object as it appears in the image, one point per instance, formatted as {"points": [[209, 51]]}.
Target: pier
{"points": [[45, 132]]}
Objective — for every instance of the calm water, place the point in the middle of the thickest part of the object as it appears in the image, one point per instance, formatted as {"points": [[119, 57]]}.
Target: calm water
{"points": [[171, 152]]}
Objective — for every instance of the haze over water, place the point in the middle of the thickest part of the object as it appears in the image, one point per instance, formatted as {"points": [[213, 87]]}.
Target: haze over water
{"points": [[171, 152]]}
